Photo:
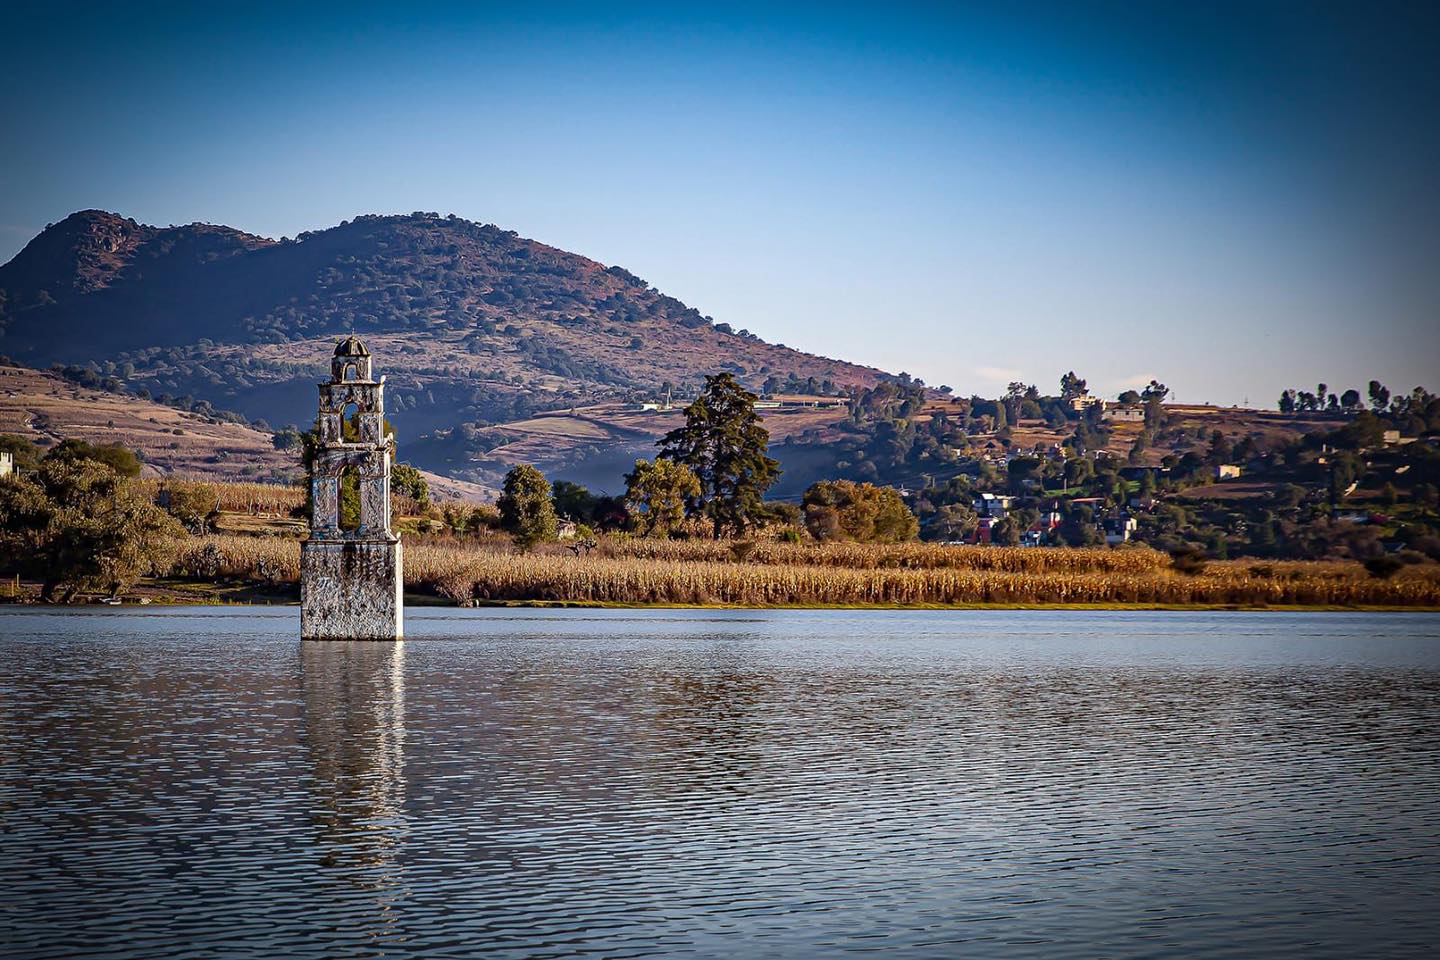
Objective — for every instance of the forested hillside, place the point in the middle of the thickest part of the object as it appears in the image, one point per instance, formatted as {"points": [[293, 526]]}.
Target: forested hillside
{"points": [[473, 324]]}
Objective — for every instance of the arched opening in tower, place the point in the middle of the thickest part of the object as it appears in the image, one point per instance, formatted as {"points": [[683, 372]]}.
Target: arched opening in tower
{"points": [[350, 498], [350, 423]]}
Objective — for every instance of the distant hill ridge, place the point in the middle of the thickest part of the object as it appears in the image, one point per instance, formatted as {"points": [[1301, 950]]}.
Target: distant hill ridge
{"points": [[473, 324]]}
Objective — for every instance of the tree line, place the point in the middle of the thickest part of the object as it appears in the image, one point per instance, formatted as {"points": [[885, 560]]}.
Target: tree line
{"points": [[713, 471]]}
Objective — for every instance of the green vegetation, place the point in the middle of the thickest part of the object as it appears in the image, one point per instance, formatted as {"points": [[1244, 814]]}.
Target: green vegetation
{"points": [[526, 511], [862, 512], [76, 526], [26, 455], [195, 505], [122, 461], [724, 444], [407, 481], [1356, 484], [75, 523], [1326, 477], [657, 493], [1345, 491]]}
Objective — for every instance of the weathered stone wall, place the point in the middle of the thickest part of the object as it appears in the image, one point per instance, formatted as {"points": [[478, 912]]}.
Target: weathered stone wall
{"points": [[325, 505], [351, 590], [375, 503], [368, 398]]}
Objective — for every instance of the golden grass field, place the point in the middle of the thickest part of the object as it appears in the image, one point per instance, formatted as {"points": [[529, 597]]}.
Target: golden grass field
{"points": [[631, 571], [265, 500]]}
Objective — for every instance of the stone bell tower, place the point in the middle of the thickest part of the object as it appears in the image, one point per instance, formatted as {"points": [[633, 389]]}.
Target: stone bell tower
{"points": [[350, 568]]}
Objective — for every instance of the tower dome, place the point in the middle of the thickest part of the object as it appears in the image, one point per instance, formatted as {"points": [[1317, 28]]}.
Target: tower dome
{"points": [[351, 347], [351, 361]]}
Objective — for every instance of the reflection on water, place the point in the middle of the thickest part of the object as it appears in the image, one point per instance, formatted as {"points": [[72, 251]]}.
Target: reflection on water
{"points": [[196, 783], [354, 737]]}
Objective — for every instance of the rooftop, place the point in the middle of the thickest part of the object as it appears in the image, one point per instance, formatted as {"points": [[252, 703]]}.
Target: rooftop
{"points": [[351, 347]]}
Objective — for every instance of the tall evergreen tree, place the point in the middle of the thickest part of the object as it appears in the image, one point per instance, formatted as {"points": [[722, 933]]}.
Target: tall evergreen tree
{"points": [[1379, 396], [724, 443]]}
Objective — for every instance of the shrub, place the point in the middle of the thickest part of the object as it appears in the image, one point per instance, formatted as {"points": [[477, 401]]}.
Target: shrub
{"points": [[195, 505], [1384, 566], [407, 481], [656, 495], [526, 510], [863, 512], [1189, 561], [123, 461], [77, 525]]}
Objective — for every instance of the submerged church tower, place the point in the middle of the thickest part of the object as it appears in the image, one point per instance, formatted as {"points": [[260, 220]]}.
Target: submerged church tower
{"points": [[350, 581]]}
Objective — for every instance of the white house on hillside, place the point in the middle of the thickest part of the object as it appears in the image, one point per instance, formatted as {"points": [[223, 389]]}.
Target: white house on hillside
{"points": [[990, 505], [1119, 529]]}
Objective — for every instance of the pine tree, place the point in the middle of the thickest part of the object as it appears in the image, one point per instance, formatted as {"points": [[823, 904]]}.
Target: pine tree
{"points": [[724, 443]]}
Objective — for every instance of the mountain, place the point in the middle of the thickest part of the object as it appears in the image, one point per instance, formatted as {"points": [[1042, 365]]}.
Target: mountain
{"points": [[473, 325]]}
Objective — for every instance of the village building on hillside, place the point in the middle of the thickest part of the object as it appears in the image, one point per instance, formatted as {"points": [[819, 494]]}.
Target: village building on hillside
{"points": [[1042, 531], [7, 463], [654, 406], [1228, 471], [992, 505], [1085, 401], [1119, 529], [804, 400], [1124, 415], [984, 531]]}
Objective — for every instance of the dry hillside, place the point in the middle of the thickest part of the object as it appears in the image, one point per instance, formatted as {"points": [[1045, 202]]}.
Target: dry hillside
{"points": [[472, 323], [46, 409]]}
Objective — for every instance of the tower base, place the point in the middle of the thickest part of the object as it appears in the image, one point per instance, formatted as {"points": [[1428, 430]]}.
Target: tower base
{"points": [[351, 590]]}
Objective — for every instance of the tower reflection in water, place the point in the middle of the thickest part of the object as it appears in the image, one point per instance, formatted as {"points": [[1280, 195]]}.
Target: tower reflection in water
{"points": [[354, 732]]}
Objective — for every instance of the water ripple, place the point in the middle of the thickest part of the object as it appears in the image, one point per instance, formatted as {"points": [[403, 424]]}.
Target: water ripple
{"points": [[554, 784]]}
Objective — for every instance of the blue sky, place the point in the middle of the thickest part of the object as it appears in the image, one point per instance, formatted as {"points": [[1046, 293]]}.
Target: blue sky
{"points": [[1233, 199]]}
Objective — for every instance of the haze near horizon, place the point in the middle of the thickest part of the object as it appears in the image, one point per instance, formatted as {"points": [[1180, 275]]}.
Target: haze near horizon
{"points": [[1234, 200]]}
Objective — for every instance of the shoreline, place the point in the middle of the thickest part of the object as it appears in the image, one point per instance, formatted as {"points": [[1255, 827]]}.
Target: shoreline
{"points": [[425, 602], [766, 575]]}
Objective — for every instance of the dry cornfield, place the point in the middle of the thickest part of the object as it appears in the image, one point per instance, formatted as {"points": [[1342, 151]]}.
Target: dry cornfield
{"points": [[793, 574], [227, 557], [270, 499], [917, 556]]}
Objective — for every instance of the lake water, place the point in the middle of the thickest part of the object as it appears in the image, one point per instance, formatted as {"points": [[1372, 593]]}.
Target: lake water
{"points": [[198, 783]]}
